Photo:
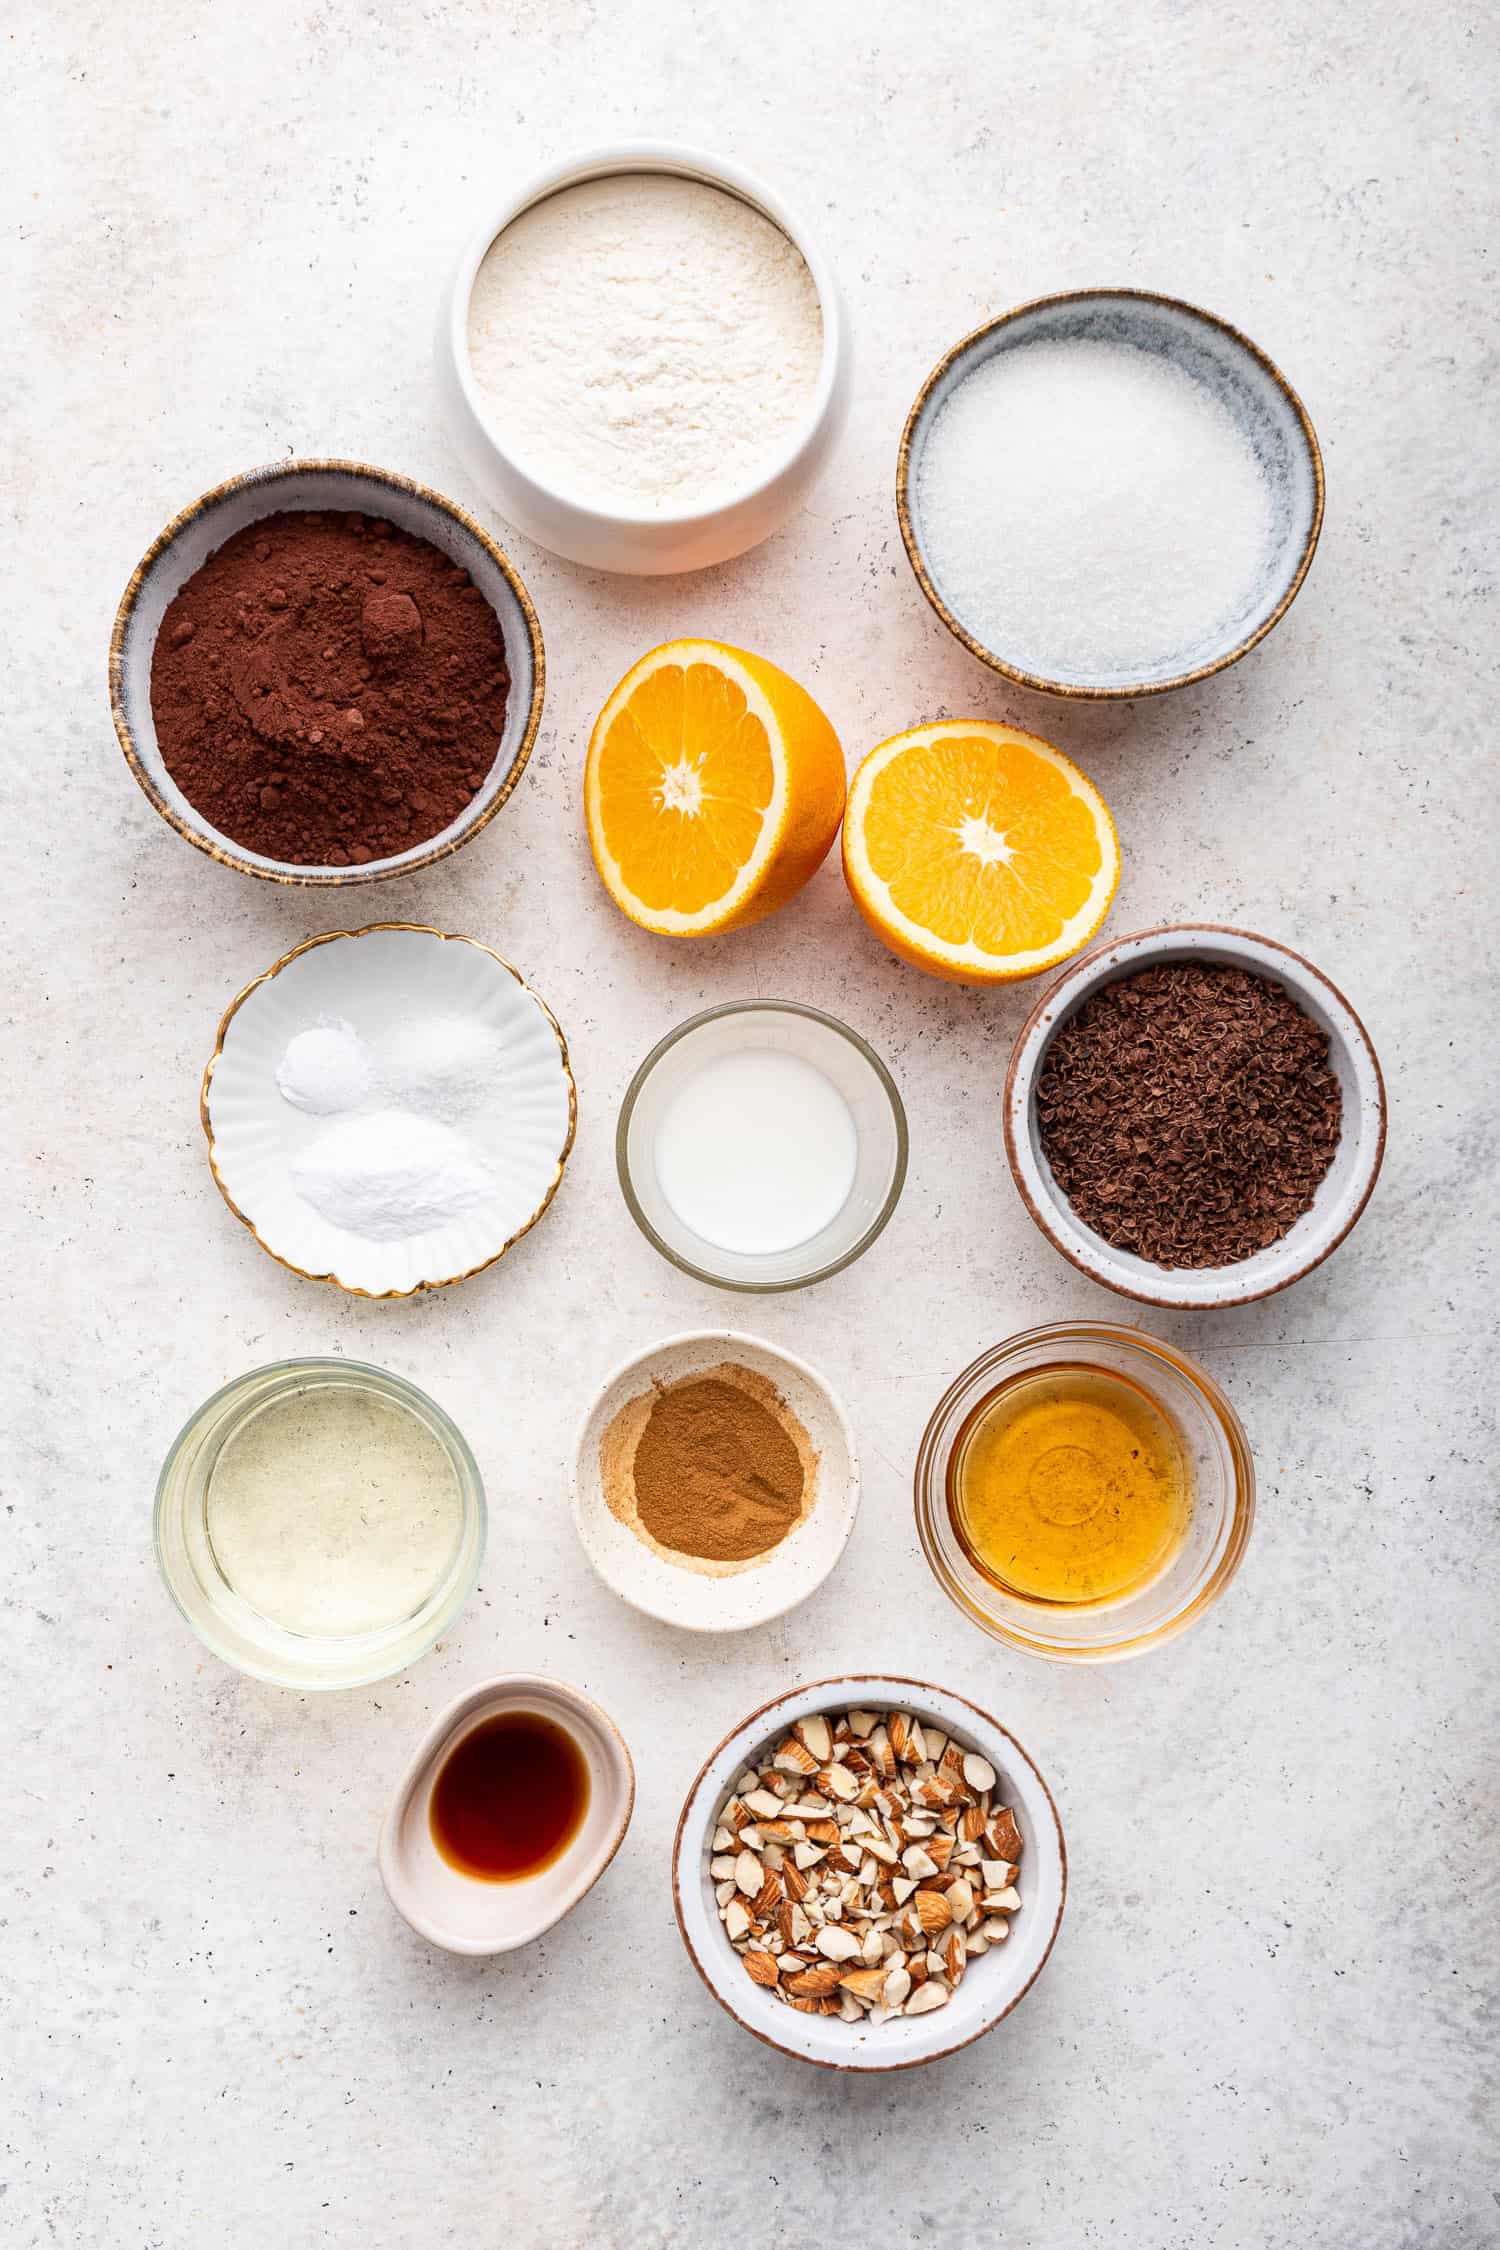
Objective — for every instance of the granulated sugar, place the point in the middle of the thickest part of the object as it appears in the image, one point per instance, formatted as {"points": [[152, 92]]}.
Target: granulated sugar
{"points": [[1089, 511]]}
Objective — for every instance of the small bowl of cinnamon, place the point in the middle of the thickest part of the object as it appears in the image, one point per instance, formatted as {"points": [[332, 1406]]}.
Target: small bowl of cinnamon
{"points": [[715, 1481], [322, 674]]}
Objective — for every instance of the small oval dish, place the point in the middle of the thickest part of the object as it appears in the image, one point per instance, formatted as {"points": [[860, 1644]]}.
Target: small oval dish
{"points": [[677, 1593], [990, 1987], [1234, 373], [467, 1914], [569, 522], [1341, 1195], [416, 1005], [296, 486]]}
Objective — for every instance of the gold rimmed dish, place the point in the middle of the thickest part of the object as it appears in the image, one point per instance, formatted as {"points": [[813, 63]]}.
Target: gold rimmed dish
{"points": [[296, 486], [1231, 370], [376, 981]]}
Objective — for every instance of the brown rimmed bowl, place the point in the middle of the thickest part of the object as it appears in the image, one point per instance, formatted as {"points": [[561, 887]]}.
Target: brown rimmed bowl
{"points": [[1214, 1446], [992, 1985], [1235, 373], [296, 487], [1342, 1193]]}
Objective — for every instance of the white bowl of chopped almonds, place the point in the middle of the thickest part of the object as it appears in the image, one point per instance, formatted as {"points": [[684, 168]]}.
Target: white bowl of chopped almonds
{"points": [[869, 1872]]}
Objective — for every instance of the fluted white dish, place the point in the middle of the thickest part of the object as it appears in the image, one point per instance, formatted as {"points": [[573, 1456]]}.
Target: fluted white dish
{"points": [[377, 980]]}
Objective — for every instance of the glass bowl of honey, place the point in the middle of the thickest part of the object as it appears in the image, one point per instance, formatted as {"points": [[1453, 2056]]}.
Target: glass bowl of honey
{"points": [[1084, 1492]]}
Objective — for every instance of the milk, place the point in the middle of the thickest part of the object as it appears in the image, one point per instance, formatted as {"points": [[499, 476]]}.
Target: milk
{"points": [[756, 1152]]}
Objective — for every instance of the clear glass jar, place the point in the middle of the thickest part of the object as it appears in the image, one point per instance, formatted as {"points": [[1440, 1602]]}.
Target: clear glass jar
{"points": [[222, 1618], [1223, 1509], [854, 1069]]}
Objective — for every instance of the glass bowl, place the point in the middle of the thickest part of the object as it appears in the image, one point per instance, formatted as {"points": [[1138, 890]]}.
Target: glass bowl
{"points": [[223, 1620], [1223, 1498], [785, 1027]]}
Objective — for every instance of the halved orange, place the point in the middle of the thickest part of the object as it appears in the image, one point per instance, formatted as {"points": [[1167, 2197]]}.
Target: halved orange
{"points": [[713, 789], [978, 853]]}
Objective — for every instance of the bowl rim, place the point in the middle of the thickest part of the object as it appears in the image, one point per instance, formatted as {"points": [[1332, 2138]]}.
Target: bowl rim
{"points": [[1062, 1332], [444, 1724], [677, 159], [1018, 1091], [267, 475], [729, 1339], [633, 1092], [839, 1686], [471, 1482], [1038, 682], [368, 929]]}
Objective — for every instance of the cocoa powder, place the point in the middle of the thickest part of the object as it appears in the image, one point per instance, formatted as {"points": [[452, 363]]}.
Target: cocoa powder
{"points": [[328, 689]]}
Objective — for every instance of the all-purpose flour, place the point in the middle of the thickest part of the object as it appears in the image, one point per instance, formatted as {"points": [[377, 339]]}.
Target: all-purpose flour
{"points": [[645, 342]]}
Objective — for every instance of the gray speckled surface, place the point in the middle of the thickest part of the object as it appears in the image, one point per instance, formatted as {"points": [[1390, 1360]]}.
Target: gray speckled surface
{"points": [[1270, 2019]]}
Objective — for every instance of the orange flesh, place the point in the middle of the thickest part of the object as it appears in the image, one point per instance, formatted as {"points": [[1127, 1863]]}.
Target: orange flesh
{"points": [[685, 778], [914, 829]]}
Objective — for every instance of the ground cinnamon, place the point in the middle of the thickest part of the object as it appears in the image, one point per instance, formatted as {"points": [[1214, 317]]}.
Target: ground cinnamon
{"points": [[716, 1472], [328, 689]]}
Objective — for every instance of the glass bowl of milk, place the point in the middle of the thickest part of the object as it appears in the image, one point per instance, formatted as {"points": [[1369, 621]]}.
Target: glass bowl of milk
{"points": [[761, 1146]]}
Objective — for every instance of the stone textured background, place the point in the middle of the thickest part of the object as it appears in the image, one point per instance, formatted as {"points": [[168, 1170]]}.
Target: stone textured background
{"points": [[1270, 2018]]}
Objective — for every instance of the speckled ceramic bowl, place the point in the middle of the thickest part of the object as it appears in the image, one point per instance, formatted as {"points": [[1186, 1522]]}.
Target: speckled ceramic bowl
{"points": [[1343, 1192], [1234, 372], [991, 1986], [291, 487]]}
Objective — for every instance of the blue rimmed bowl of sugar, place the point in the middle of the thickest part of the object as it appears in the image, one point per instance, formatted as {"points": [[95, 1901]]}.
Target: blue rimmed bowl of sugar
{"points": [[1108, 493]]}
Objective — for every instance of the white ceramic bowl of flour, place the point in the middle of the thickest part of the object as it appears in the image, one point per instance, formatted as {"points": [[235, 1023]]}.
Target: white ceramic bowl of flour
{"points": [[1108, 493], [652, 369], [388, 1109]]}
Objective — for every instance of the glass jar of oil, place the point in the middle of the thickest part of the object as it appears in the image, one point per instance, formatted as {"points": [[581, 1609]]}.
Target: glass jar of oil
{"points": [[1070, 1485]]}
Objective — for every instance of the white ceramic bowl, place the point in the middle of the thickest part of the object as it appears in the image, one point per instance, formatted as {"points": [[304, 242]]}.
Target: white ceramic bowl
{"points": [[790, 1572], [377, 980], [1343, 1192], [567, 523], [1233, 372], [296, 486], [991, 1986], [463, 1913]]}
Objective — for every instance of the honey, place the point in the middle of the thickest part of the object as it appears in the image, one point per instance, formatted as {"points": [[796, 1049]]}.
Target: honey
{"points": [[1070, 1485], [510, 1798]]}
